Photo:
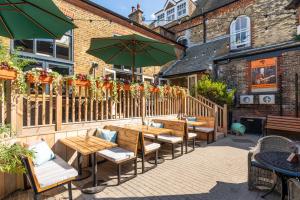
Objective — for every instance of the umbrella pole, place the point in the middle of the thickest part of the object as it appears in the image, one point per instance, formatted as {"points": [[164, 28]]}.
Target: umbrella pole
{"points": [[133, 67]]}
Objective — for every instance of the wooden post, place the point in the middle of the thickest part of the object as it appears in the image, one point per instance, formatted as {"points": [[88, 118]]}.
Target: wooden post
{"points": [[143, 106], [11, 107], [225, 123], [19, 114], [58, 106], [216, 121]]}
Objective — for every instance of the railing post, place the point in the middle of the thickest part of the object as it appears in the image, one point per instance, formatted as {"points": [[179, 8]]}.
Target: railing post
{"points": [[143, 106], [225, 123], [58, 107], [215, 112]]}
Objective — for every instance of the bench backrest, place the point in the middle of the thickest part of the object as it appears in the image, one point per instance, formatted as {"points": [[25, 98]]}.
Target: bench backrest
{"points": [[178, 127], [282, 123], [210, 121], [127, 139], [30, 174]]}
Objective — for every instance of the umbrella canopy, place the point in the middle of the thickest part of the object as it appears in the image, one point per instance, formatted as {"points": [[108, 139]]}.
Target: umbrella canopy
{"points": [[132, 50], [26, 19]]}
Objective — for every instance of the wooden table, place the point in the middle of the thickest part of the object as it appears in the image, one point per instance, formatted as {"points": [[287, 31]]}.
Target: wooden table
{"points": [[149, 129], [88, 145]]}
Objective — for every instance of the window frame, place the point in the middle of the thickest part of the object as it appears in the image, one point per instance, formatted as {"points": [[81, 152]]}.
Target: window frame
{"points": [[179, 9], [173, 13], [233, 32], [148, 77]]}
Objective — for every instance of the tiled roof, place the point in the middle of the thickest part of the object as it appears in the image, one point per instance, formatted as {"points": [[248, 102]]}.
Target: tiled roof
{"points": [[198, 58]]}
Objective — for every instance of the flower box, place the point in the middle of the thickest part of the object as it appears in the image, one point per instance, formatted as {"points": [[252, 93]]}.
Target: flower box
{"points": [[42, 79], [8, 74], [154, 90], [82, 83], [126, 87], [108, 85]]}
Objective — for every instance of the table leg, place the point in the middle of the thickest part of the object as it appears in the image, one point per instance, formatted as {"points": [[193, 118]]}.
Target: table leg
{"points": [[82, 174], [94, 186]]}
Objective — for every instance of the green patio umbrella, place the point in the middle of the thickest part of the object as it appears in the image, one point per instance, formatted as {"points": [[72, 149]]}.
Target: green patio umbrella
{"points": [[132, 50], [26, 19]]}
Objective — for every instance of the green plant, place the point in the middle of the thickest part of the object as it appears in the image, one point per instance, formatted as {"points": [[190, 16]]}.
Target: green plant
{"points": [[5, 131], [297, 38], [10, 158], [135, 90], [114, 91], [13, 61], [161, 91], [215, 91], [147, 89]]}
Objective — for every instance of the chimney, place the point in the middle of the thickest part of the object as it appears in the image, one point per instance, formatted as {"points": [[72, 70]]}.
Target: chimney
{"points": [[136, 15]]}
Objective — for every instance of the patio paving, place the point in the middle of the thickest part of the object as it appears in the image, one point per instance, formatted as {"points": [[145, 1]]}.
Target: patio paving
{"points": [[213, 172]]}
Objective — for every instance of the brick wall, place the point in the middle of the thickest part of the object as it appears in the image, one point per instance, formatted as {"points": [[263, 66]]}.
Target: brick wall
{"points": [[235, 74], [276, 27], [87, 30]]}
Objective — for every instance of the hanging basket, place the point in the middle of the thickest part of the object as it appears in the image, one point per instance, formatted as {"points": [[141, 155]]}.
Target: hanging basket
{"points": [[108, 85], [8, 74], [126, 87], [42, 79], [154, 90], [82, 83]]}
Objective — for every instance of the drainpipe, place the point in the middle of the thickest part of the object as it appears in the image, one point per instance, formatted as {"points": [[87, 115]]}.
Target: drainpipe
{"points": [[204, 29]]}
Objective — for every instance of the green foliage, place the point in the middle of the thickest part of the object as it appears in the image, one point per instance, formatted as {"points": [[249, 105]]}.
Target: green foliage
{"points": [[297, 38], [10, 158], [215, 91], [5, 131]]}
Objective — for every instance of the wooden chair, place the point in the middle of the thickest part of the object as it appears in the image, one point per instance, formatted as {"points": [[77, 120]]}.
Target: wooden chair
{"points": [[126, 151], [206, 132], [176, 137], [52, 174], [147, 147]]}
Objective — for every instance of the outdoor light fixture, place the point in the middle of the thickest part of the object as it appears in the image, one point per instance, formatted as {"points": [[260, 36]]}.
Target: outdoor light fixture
{"points": [[95, 66]]}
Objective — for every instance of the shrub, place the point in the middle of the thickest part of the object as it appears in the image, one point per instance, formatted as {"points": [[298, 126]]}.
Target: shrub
{"points": [[215, 91]]}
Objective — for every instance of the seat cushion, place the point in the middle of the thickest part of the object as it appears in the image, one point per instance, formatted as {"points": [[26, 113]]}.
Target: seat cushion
{"points": [[107, 135], [54, 171], [157, 125], [192, 135], [149, 136], [151, 146], [42, 153], [116, 154], [204, 129], [169, 139]]}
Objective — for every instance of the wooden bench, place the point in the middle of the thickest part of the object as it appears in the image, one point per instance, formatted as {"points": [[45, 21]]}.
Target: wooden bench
{"points": [[207, 131], [177, 136], [281, 123], [52, 174], [126, 151]]}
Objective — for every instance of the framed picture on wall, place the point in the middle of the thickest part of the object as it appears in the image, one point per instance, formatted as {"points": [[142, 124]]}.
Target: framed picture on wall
{"points": [[264, 75]]}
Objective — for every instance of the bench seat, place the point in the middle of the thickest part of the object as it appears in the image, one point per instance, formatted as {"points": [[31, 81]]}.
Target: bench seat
{"points": [[192, 135], [151, 146], [204, 129], [116, 154], [53, 172], [169, 139], [149, 136]]}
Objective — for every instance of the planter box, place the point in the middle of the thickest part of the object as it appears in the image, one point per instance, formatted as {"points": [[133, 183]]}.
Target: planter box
{"points": [[107, 85], [42, 79], [8, 74], [82, 83]]}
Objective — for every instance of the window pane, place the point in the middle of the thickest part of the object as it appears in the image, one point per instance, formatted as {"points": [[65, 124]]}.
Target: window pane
{"points": [[128, 68], [237, 24], [243, 23], [63, 48], [44, 47], [117, 66], [244, 37], [24, 45], [63, 70], [238, 38]]}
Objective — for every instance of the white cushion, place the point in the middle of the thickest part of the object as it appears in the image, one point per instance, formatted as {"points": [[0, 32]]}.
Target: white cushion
{"points": [[169, 139], [190, 127], [116, 154], [149, 136], [192, 135], [204, 129], [54, 171], [151, 146]]}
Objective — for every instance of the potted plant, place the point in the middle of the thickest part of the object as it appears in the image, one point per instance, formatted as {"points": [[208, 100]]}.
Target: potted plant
{"points": [[79, 80], [107, 83], [44, 76], [135, 90], [11, 68]]}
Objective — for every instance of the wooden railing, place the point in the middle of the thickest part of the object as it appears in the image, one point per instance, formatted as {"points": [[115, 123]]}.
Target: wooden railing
{"points": [[220, 112]]}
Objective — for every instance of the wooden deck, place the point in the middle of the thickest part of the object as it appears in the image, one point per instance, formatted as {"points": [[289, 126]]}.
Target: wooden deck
{"points": [[214, 172]]}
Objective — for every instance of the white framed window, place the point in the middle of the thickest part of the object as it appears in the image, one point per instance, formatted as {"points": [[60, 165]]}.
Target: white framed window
{"points": [[148, 79], [240, 32], [161, 17], [181, 9], [171, 14], [183, 40], [163, 81]]}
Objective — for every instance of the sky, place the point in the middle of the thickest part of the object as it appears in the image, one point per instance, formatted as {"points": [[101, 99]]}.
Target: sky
{"points": [[123, 7]]}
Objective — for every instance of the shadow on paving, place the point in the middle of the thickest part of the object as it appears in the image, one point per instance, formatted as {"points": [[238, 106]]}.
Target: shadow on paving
{"points": [[221, 191]]}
